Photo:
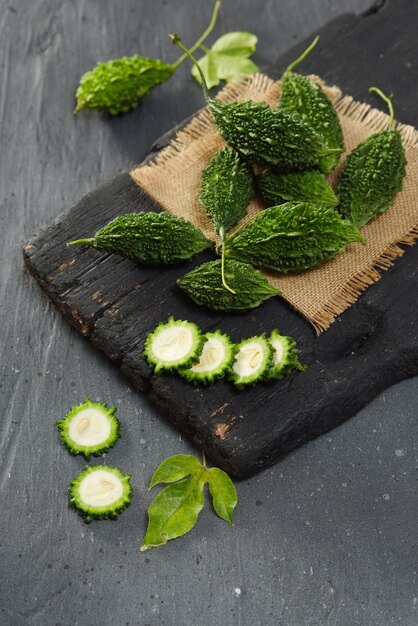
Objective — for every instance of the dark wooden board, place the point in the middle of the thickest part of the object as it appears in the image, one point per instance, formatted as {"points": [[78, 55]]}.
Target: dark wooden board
{"points": [[371, 346]]}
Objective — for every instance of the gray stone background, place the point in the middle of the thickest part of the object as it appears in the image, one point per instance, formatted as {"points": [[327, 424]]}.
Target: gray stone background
{"points": [[328, 536]]}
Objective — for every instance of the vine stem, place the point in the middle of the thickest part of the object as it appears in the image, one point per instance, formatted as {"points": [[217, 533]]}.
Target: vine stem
{"points": [[202, 38], [177, 41], [303, 55], [203, 458], [388, 100], [86, 242], [224, 283]]}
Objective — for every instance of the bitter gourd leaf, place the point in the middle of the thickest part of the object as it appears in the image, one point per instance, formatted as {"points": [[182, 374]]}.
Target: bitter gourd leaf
{"points": [[253, 359], [204, 286], [265, 135], [216, 358], [305, 97], [373, 174], [291, 237], [175, 510], [149, 238], [173, 344], [308, 186], [90, 428], [100, 492], [285, 356]]}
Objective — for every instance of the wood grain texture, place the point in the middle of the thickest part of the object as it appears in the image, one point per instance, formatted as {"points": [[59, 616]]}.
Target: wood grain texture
{"points": [[327, 536]]}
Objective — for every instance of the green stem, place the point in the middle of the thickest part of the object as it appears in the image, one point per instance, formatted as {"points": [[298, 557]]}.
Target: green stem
{"points": [[85, 242], [206, 50], [224, 283], [203, 458], [203, 36], [303, 55], [388, 100], [177, 41]]}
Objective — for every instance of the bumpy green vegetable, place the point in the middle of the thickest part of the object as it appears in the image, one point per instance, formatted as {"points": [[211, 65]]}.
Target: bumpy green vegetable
{"points": [[100, 492], [373, 174], [149, 238], [266, 135], [204, 286], [174, 344], [89, 428], [308, 186], [253, 360], [291, 237], [285, 356], [301, 95], [216, 358]]}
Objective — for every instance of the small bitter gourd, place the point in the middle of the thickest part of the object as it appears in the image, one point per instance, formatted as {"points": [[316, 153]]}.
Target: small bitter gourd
{"points": [[285, 356], [90, 428], [303, 96], [291, 237], [100, 492], [149, 238], [204, 286], [252, 362], [373, 174], [265, 135], [216, 358], [173, 344], [308, 186]]}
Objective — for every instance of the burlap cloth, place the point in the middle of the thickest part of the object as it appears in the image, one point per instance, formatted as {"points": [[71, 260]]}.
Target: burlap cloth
{"points": [[174, 177]]}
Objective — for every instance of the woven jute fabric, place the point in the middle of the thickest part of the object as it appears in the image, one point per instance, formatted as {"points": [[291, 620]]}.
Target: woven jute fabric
{"points": [[174, 179]]}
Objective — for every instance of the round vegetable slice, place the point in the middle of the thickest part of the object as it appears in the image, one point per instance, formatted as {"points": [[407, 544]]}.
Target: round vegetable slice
{"points": [[100, 492], [253, 359], [285, 355], [89, 428], [177, 343], [216, 358]]}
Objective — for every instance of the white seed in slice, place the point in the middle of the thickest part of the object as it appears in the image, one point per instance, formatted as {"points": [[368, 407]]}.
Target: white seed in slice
{"points": [[212, 356], [173, 343], [100, 488], [90, 427], [248, 360]]}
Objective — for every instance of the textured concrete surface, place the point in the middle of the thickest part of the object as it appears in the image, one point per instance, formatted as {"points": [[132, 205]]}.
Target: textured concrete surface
{"points": [[329, 536]]}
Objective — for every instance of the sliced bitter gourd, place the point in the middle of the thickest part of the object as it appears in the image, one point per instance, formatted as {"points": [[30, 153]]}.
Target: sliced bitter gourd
{"points": [[216, 358], [100, 492], [89, 428], [177, 343], [252, 362], [285, 356]]}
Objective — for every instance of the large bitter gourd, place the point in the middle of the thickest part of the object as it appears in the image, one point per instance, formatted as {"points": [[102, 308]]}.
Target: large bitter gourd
{"points": [[253, 360], [216, 358], [265, 135], [291, 237], [100, 492], [304, 96], [373, 174], [308, 186], [173, 344], [149, 238]]}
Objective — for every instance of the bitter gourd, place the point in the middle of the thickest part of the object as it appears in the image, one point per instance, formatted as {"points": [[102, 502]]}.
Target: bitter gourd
{"points": [[149, 238], [252, 362], [100, 492], [373, 174], [303, 96], [285, 356], [216, 358], [308, 186], [291, 237], [89, 428], [265, 135], [204, 286], [173, 344]]}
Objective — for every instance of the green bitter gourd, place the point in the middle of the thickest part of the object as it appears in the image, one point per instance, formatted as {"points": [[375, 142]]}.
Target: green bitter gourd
{"points": [[253, 359], [90, 428], [285, 356], [149, 238], [308, 186], [173, 344], [373, 174], [291, 237], [305, 97], [216, 358], [204, 286], [100, 492]]}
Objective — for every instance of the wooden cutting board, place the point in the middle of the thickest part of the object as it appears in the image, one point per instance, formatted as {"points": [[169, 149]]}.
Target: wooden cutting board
{"points": [[372, 345]]}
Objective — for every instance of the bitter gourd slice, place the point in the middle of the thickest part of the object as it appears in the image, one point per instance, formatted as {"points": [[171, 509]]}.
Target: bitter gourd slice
{"points": [[291, 237], [285, 356], [216, 358], [308, 186], [174, 344], [204, 286], [90, 428], [252, 362], [149, 238], [265, 135], [100, 492], [305, 97], [373, 174]]}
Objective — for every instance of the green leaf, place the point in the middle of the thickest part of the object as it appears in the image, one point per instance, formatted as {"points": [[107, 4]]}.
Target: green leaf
{"points": [[175, 468], [209, 69], [223, 492], [236, 43], [229, 67]]}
